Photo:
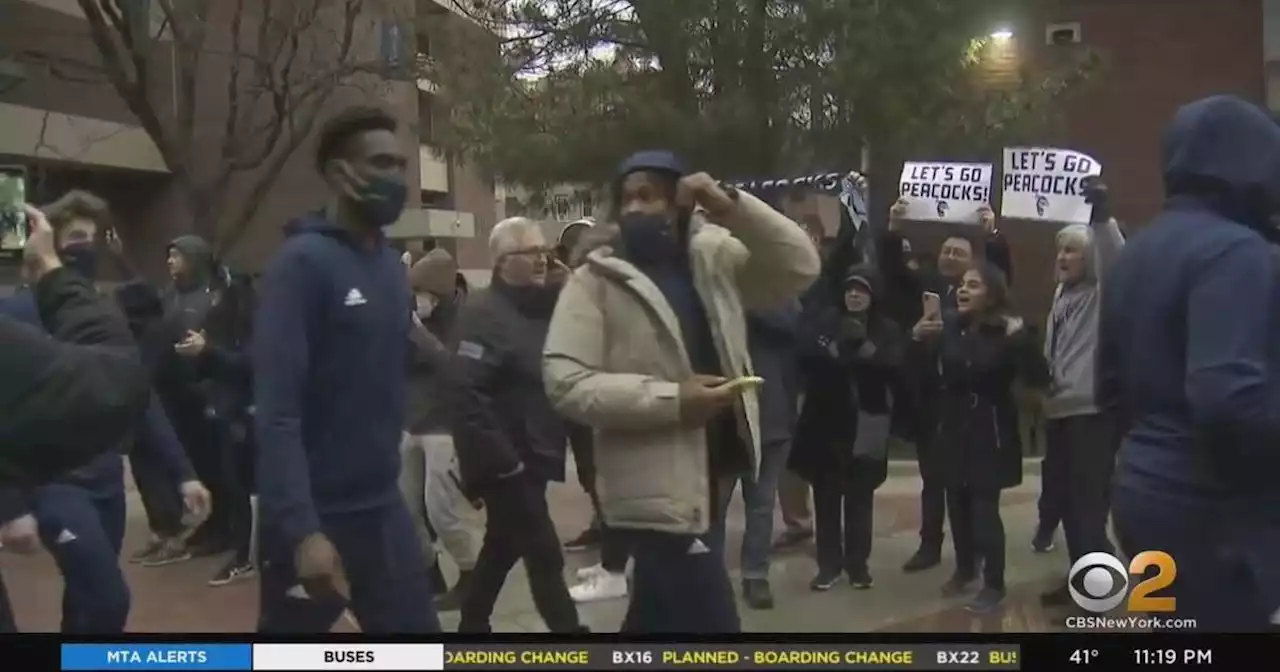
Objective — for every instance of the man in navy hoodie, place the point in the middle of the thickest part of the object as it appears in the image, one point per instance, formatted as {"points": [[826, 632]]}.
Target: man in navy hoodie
{"points": [[1189, 355], [80, 518], [329, 350]]}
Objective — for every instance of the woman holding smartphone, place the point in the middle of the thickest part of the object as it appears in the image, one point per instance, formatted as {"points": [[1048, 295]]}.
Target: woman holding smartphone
{"points": [[970, 361]]}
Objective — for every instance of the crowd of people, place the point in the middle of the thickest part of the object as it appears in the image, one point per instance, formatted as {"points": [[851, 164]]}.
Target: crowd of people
{"points": [[328, 426]]}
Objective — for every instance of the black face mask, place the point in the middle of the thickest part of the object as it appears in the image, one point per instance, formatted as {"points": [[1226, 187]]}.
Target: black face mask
{"points": [[650, 239], [380, 200], [82, 258]]}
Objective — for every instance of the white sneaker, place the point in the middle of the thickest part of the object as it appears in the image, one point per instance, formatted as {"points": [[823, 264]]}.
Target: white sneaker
{"points": [[599, 587], [585, 573]]}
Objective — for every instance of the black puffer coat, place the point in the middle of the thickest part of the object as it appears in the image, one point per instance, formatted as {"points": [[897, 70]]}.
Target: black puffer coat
{"points": [[969, 375], [842, 382]]}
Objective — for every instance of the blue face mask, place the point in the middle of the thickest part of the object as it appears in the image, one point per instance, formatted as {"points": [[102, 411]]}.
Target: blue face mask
{"points": [[382, 200], [81, 257], [649, 239]]}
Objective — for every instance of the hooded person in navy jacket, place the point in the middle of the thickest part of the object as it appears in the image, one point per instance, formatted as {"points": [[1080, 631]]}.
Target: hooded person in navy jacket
{"points": [[1189, 354], [330, 342], [80, 518]]}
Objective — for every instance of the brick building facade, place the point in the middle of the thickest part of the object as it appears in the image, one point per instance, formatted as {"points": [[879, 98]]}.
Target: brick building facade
{"points": [[63, 120], [1157, 54]]}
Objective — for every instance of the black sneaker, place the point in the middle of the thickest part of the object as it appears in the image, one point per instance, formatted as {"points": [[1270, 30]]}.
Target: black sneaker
{"points": [[957, 585], [232, 572], [927, 557], [757, 594], [1043, 541], [1058, 597], [171, 551], [861, 580], [589, 539], [986, 601], [792, 538], [824, 581]]}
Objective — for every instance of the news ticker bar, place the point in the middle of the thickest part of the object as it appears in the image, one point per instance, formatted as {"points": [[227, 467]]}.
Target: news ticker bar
{"points": [[342, 656]]}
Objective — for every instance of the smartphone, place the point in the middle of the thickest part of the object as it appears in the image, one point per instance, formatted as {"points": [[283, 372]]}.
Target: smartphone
{"points": [[13, 199], [932, 304], [743, 382]]}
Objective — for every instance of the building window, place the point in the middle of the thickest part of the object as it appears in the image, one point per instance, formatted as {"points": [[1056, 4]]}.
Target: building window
{"points": [[426, 116], [561, 204], [392, 49], [424, 45], [512, 207]]}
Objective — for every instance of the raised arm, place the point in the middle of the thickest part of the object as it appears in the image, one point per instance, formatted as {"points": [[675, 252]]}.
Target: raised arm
{"points": [[88, 380], [776, 260]]}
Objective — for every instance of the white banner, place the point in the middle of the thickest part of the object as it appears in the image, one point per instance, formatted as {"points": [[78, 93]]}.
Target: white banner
{"points": [[1043, 183], [945, 192]]}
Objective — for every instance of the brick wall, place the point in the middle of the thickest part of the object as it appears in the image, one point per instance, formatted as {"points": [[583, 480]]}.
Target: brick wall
{"points": [[1158, 55]]}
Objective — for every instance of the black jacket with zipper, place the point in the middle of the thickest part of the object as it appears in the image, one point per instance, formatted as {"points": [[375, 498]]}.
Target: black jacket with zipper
{"points": [[502, 419], [969, 374]]}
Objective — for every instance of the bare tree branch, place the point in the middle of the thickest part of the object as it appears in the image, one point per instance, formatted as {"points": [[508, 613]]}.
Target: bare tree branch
{"points": [[283, 59], [133, 90]]}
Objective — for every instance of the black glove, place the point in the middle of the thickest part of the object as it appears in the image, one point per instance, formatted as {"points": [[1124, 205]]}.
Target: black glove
{"points": [[853, 329], [1096, 194]]}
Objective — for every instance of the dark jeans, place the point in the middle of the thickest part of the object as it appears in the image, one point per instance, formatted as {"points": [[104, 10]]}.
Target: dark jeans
{"points": [[582, 444], [681, 586], [7, 623], [390, 581], [83, 530], [843, 512], [206, 447], [236, 450], [160, 498], [1052, 500], [978, 532], [1215, 584], [519, 527], [933, 496], [614, 548], [1080, 454], [758, 497]]}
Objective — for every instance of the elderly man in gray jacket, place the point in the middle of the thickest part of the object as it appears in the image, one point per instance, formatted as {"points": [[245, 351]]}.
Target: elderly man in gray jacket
{"points": [[1081, 440]]}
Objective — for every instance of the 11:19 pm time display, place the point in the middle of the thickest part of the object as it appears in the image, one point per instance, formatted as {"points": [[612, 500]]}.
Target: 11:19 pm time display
{"points": [[1199, 656]]}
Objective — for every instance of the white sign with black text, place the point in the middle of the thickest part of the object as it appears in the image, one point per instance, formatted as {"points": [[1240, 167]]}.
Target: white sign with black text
{"points": [[945, 192], [1046, 184]]}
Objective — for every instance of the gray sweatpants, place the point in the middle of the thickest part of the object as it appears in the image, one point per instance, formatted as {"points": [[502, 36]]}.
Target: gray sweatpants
{"points": [[429, 482]]}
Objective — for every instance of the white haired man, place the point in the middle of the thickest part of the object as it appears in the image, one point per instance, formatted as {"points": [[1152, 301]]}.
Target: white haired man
{"points": [[509, 440], [1081, 440]]}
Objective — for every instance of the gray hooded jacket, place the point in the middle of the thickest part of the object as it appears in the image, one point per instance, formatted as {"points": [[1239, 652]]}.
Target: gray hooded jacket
{"points": [[1071, 335]]}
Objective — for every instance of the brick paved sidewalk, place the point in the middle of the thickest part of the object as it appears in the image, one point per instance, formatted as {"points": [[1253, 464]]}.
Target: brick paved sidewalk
{"points": [[177, 598]]}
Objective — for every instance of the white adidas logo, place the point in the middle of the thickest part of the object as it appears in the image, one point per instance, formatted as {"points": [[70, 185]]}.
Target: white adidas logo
{"points": [[355, 298]]}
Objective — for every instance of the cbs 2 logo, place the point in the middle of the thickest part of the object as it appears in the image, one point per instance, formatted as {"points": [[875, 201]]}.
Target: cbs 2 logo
{"points": [[1098, 582]]}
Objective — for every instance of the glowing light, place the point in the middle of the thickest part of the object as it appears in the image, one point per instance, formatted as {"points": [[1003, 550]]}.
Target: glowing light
{"points": [[1002, 35]]}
